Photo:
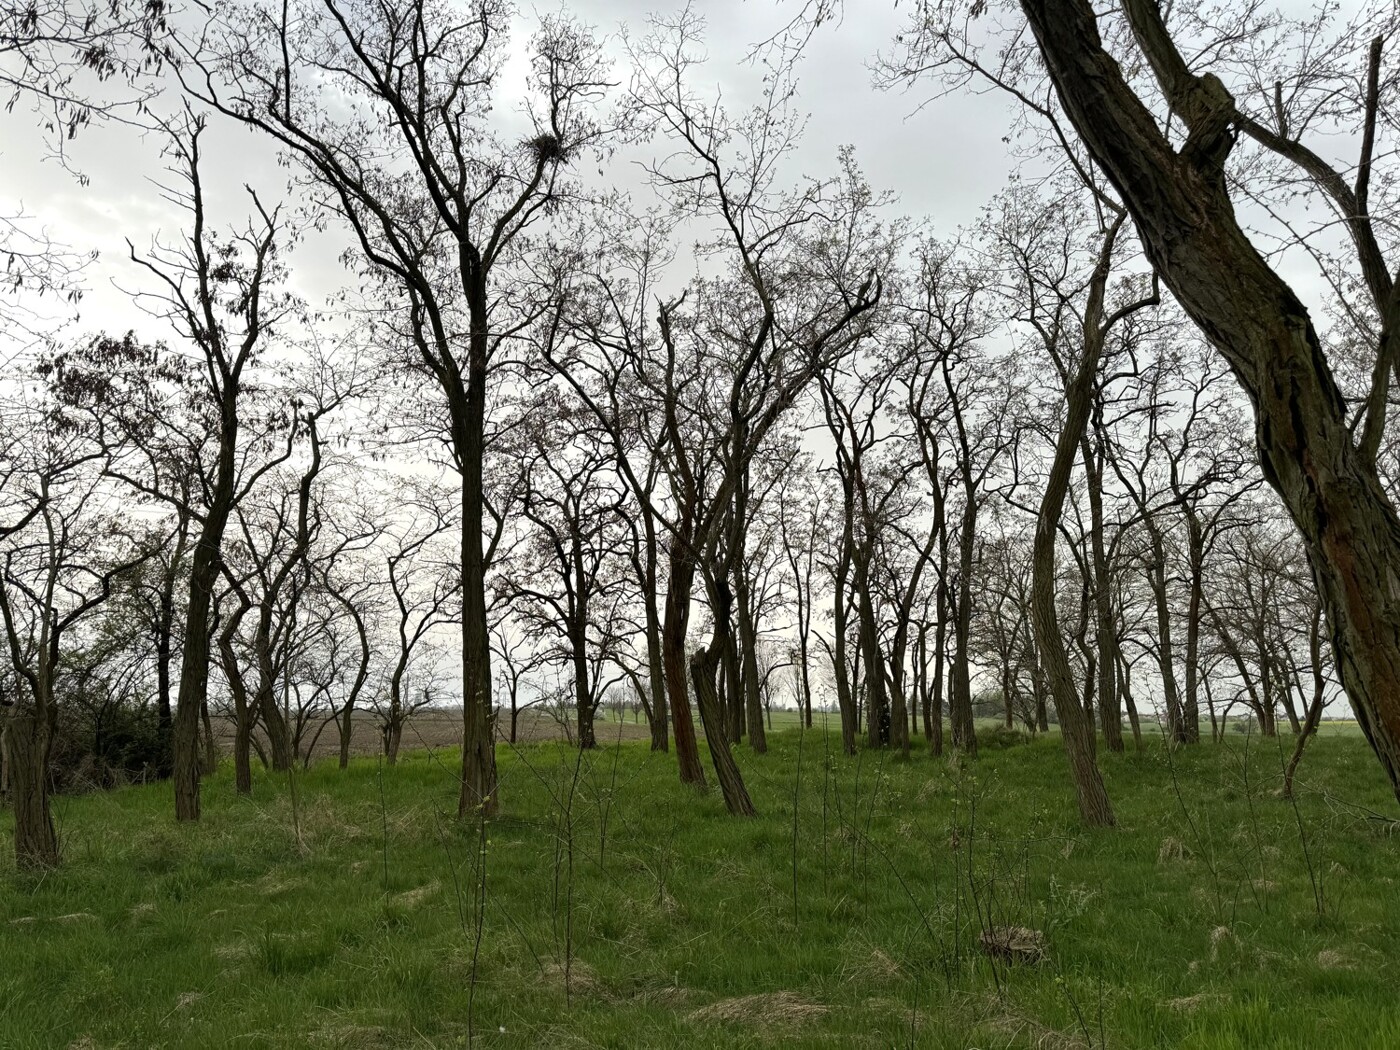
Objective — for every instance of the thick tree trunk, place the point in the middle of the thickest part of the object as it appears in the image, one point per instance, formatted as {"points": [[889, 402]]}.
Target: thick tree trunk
{"points": [[28, 739], [678, 586], [479, 790], [1307, 449], [583, 700], [703, 665]]}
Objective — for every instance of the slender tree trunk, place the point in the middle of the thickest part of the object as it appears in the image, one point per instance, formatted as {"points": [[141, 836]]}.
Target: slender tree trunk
{"points": [[960, 718], [204, 575], [1166, 654], [656, 676], [1106, 635], [165, 629], [1076, 729], [748, 639], [877, 709], [1191, 708]]}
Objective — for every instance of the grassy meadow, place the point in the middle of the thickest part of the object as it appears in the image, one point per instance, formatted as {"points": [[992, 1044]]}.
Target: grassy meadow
{"points": [[611, 907]]}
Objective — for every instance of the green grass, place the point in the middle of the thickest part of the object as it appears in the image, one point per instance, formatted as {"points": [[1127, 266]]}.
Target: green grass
{"points": [[1167, 932]]}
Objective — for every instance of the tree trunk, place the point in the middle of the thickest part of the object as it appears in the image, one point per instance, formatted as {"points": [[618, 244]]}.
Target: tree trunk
{"points": [[845, 694], [204, 574], [1076, 729], [656, 680], [1166, 655], [703, 665], [1106, 635], [678, 586], [748, 639], [28, 739], [1191, 707], [960, 718], [479, 791]]}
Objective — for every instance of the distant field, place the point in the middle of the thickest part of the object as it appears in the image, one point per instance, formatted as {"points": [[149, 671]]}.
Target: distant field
{"points": [[621, 909]]}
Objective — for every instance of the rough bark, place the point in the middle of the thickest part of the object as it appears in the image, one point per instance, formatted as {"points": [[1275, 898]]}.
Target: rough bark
{"points": [[28, 740], [678, 588]]}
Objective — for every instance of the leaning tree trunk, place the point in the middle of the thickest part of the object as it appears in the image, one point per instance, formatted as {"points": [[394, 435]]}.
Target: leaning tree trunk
{"points": [[704, 663], [28, 739], [1076, 727], [1187, 223], [678, 586]]}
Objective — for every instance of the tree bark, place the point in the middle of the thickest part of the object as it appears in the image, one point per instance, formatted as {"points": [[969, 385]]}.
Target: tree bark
{"points": [[678, 587], [479, 791], [28, 740], [703, 665]]}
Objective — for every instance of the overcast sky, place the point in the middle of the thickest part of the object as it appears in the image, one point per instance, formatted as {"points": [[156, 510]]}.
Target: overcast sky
{"points": [[943, 161]]}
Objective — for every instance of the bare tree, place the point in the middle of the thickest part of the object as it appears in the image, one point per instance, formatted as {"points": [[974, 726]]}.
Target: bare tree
{"points": [[439, 205]]}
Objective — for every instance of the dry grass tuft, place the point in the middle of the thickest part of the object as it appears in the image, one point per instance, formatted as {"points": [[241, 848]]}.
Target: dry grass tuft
{"points": [[765, 1009], [413, 898], [876, 967], [1191, 1003], [578, 979], [1334, 960], [1026, 1031], [1173, 850]]}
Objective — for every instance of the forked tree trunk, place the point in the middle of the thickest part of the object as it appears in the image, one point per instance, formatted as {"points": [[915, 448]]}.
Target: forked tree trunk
{"points": [[28, 740], [1187, 224]]}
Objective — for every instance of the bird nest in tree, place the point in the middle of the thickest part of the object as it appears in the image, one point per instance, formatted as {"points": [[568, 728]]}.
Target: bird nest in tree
{"points": [[548, 149]]}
